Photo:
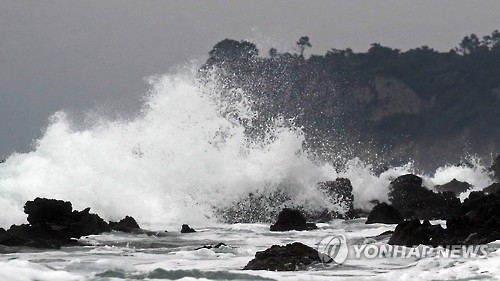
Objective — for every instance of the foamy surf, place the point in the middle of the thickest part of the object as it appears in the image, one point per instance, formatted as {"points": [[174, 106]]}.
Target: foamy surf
{"points": [[186, 153]]}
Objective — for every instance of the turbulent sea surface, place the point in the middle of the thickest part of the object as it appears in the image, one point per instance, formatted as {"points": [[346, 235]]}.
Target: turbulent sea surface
{"points": [[176, 256], [185, 156]]}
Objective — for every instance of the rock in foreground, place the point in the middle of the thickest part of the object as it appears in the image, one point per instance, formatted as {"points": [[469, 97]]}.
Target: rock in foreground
{"points": [[52, 224], [291, 257], [477, 222], [290, 219]]}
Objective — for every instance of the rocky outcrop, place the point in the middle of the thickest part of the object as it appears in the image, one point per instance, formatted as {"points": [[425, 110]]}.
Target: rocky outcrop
{"points": [[477, 222], [454, 186], [186, 229], [492, 188], [52, 224], [412, 232], [414, 201], [338, 191], [290, 219], [127, 224], [384, 213], [291, 257], [388, 96]]}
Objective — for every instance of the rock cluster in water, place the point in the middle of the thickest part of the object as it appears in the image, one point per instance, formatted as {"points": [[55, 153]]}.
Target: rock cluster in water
{"points": [[477, 221], [54, 223]]}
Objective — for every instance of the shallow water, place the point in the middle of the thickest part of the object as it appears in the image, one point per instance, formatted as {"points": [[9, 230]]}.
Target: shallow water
{"points": [[176, 256]]}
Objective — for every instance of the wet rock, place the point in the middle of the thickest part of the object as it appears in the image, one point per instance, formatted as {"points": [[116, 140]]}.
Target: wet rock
{"points": [[127, 224], [384, 213], [454, 186], [52, 224], [42, 210], [477, 222], [339, 191], [412, 232], [290, 219], [413, 200], [187, 229], [291, 257], [216, 246], [492, 188]]}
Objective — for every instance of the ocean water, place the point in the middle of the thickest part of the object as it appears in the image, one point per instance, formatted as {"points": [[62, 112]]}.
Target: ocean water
{"points": [[176, 256], [184, 156]]}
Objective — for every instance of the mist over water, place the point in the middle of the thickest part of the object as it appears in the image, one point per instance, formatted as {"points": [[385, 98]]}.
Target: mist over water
{"points": [[186, 152]]}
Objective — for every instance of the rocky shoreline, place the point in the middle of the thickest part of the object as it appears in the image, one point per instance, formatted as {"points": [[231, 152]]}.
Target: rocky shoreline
{"points": [[53, 224]]}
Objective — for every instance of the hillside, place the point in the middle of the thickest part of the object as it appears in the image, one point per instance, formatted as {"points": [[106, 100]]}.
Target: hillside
{"points": [[384, 105]]}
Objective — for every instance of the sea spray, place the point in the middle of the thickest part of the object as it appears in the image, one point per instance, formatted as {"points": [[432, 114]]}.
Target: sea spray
{"points": [[187, 154], [184, 154]]}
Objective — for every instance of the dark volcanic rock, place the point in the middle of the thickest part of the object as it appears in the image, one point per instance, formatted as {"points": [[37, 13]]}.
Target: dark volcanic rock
{"points": [[290, 219], [413, 200], [412, 232], [53, 224], [187, 229], [291, 257], [340, 191], [492, 188], [384, 213], [454, 186], [477, 222], [127, 224], [42, 210], [216, 246]]}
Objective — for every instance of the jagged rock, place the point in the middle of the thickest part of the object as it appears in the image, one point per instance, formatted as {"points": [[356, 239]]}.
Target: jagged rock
{"points": [[477, 222], [290, 219], [495, 168], [413, 200], [492, 188], [291, 257], [52, 224], [339, 190], [127, 224], [42, 210], [454, 186], [187, 229], [412, 232], [384, 213]]}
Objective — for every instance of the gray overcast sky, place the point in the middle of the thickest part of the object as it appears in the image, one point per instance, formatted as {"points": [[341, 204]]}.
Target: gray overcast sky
{"points": [[82, 55]]}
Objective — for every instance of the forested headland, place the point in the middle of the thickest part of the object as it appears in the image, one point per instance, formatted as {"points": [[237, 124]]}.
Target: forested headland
{"points": [[383, 105]]}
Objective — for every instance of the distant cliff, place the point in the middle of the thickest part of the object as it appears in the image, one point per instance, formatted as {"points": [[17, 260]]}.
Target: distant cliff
{"points": [[383, 105]]}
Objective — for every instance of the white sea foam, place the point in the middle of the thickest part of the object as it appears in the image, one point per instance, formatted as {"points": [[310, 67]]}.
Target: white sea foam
{"points": [[185, 153]]}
